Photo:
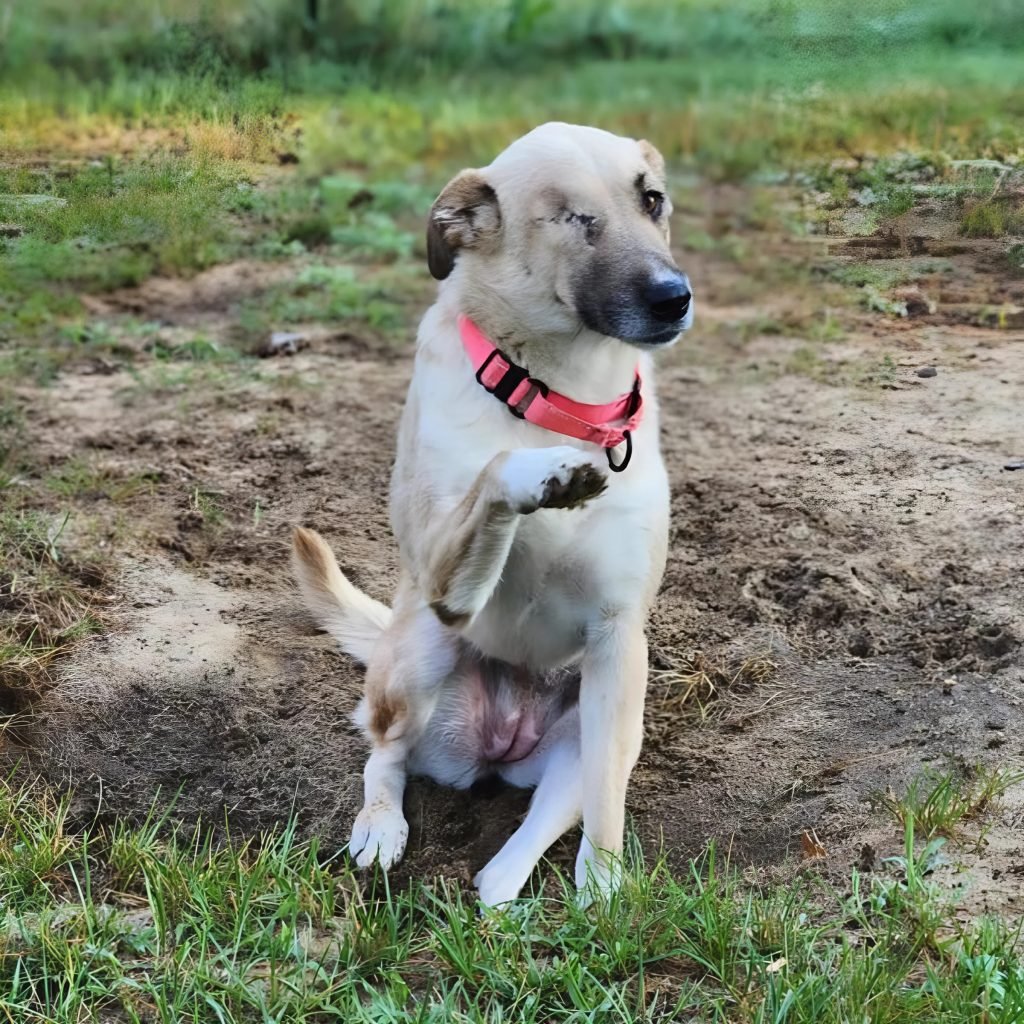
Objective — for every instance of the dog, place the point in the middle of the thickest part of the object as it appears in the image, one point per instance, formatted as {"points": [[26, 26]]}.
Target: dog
{"points": [[530, 504]]}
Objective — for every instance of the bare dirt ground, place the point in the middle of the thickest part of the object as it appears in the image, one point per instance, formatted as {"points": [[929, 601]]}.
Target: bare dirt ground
{"points": [[846, 557]]}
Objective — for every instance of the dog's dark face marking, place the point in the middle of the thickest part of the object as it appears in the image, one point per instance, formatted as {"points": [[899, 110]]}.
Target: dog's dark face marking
{"points": [[622, 285], [639, 296]]}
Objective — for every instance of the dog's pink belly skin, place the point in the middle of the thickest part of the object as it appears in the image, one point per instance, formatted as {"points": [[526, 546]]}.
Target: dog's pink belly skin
{"points": [[514, 740]]}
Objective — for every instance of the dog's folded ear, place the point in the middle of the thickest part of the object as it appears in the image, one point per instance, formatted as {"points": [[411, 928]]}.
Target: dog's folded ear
{"points": [[462, 216], [656, 162], [654, 159]]}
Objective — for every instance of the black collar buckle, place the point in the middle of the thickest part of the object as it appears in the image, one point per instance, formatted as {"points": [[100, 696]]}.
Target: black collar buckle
{"points": [[505, 387]]}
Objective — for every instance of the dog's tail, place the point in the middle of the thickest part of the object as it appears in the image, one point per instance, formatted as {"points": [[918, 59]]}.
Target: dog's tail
{"points": [[353, 618]]}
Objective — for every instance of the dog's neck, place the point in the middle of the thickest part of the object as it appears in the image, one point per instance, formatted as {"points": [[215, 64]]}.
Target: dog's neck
{"points": [[580, 364]]}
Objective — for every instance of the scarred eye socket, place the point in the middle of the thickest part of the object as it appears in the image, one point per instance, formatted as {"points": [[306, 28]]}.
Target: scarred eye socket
{"points": [[653, 203]]}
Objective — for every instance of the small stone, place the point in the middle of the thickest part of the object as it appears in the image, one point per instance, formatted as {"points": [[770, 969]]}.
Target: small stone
{"points": [[996, 721], [860, 645], [1014, 464], [284, 343], [915, 301], [927, 371]]}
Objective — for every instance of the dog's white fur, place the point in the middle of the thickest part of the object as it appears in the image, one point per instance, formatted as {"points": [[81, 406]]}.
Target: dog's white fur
{"points": [[494, 562]]}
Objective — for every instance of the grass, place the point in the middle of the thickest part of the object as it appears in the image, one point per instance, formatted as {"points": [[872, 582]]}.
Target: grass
{"points": [[164, 130], [205, 508], [411, 38], [100, 227], [333, 294], [993, 218], [105, 228], [84, 478], [940, 804], [690, 687], [48, 602], [12, 439], [158, 922]]}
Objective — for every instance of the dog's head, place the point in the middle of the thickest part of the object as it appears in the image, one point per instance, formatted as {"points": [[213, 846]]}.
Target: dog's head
{"points": [[568, 227]]}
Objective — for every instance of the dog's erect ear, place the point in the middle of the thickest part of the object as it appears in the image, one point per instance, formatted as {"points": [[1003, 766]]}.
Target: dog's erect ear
{"points": [[462, 216], [654, 159]]}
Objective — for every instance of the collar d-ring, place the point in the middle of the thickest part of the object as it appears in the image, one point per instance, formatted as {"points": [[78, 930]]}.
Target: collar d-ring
{"points": [[619, 467]]}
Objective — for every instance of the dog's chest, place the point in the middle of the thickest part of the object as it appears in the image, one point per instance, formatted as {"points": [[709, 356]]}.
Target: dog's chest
{"points": [[566, 570]]}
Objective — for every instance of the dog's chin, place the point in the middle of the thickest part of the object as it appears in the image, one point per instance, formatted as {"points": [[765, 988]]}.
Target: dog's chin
{"points": [[641, 334], [662, 339]]}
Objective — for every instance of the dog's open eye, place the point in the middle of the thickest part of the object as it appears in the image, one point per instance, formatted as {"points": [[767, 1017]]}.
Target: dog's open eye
{"points": [[653, 203]]}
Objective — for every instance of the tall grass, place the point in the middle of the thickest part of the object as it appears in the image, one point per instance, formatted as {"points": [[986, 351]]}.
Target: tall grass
{"points": [[729, 87], [99, 38]]}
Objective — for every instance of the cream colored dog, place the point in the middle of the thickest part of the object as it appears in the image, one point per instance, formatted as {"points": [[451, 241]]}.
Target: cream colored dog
{"points": [[516, 644]]}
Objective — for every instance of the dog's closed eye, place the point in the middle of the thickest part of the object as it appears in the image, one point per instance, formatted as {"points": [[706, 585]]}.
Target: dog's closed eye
{"points": [[586, 221]]}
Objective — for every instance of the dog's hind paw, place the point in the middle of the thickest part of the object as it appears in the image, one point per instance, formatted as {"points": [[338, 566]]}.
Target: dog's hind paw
{"points": [[378, 834], [558, 477]]}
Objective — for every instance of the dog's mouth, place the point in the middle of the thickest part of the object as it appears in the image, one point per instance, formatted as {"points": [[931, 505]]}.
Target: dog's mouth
{"points": [[635, 326], [660, 338]]}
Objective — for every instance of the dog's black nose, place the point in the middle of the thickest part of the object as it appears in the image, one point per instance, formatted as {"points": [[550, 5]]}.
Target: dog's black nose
{"points": [[668, 298]]}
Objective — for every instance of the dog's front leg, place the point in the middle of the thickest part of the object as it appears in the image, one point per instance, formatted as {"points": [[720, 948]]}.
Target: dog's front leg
{"points": [[468, 548], [614, 682]]}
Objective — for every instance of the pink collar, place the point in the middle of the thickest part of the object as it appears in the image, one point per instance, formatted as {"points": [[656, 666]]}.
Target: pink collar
{"points": [[530, 399]]}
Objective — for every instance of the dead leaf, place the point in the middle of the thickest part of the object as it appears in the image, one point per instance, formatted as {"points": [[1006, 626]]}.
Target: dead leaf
{"points": [[812, 846]]}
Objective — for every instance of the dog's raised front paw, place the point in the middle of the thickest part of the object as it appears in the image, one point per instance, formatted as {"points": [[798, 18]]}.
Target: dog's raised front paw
{"points": [[378, 834], [558, 477]]}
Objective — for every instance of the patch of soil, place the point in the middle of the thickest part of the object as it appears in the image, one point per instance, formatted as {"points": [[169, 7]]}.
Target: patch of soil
{"points": [[864, 540], [213, 290]]}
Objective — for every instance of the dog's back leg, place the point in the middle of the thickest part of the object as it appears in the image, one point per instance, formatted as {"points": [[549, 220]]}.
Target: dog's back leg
{"points": [[556, 806], [406, 669]]}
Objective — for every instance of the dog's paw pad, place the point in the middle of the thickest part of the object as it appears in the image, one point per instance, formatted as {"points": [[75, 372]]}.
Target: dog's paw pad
{"points": [[578, 486], [378, 834], [559, 477]]}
